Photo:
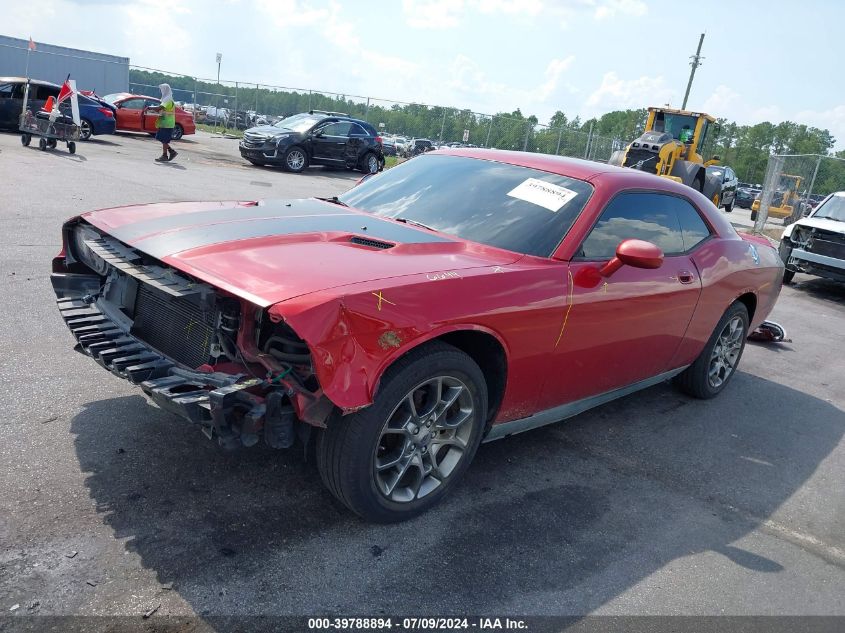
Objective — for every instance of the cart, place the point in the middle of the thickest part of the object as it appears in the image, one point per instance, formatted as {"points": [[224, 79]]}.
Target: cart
{"points": [[49, 132]]}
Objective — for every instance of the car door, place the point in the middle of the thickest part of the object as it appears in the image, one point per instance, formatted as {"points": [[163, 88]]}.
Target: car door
{"points": [[129, 114], [9, 110], [356, 145], [623, 329], [328, 143], [149, 117]]}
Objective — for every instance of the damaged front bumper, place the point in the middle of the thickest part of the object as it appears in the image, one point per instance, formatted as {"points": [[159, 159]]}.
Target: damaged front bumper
{"points": [[225, 406]]}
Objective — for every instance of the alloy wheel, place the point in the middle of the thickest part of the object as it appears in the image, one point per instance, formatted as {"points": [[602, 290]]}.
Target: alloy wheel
{"points": [[372, 164], [424, 439], [85, 130], [296, 160], [726, 351]]}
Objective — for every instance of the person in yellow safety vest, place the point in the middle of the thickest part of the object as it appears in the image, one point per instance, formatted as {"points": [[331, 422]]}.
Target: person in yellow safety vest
{"points": [[686, 134], [165, 123]]}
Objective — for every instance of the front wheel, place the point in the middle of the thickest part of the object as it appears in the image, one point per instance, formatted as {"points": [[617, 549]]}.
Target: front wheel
{"points": [[42, 144], [730, 207], [402, 455], [26, 139], [71, 147], [717, 363], [295, 159], [178, 131], [85, 130]]}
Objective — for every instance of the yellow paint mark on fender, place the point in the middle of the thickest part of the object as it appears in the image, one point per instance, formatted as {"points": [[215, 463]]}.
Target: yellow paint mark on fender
{"points": [[568, 308], [381, 299]]}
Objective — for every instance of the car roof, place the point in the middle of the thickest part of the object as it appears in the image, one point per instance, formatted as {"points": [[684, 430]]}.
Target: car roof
{"points": [[37, 82]]}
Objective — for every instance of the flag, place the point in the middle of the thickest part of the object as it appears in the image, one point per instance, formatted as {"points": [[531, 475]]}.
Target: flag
{"points": [[31, 44], [66, 91]]}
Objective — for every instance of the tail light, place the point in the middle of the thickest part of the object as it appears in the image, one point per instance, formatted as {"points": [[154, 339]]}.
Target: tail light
{"points": [[378, 139], [106, 111]]}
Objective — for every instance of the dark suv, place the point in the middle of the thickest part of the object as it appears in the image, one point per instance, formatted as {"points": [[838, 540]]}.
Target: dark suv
{"points": [[315, 138]]}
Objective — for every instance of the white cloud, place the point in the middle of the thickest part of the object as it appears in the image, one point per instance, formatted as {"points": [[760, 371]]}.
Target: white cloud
{"points": [[554, 70], [723, 99], [509, 7], [611, 8], [288, 13], [433, 14], [615, 93], [832, 119]]}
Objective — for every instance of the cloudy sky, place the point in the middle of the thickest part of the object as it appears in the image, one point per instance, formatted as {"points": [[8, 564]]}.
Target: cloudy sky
{"points": [[764, 61]]}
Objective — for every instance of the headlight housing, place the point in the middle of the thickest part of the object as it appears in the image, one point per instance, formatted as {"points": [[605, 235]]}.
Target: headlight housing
{"points": [[83, 252]]}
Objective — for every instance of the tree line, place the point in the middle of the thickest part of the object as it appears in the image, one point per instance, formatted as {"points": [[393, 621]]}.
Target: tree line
{"points": [[746, 148]]}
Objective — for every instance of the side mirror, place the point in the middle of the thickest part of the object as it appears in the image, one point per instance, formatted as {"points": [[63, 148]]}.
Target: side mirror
{"points": [[633, 253], [319, 134]]}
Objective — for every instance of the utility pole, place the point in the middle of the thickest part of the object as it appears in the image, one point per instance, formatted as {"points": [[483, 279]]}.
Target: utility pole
{"points": [[695, 63]]}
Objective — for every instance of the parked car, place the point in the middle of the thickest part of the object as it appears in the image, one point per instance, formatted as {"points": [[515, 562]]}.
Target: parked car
{"points": [[465, 295], [315, 138], [418, 146], [745, 197], [95, 117], [133, 114], [815, 245], [723, 182], [388, 146]]}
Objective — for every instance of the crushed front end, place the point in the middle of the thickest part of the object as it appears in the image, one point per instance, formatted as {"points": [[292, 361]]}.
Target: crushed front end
{"points": [[814, 251], [201, 353]]}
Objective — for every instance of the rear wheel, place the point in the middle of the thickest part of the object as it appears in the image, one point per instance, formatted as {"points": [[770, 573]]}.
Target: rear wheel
{"points": [[717, 363], [26, 139], [71, 147], [402, 455], [370, 163], [85, 130], [730, 207], [42, 144]]}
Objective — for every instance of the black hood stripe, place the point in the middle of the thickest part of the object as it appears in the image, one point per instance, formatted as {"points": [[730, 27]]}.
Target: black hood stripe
{"points": [[192, 237]]}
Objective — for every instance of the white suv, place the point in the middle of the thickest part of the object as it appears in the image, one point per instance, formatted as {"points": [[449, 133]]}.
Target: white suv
{"points": [[815, 245]]}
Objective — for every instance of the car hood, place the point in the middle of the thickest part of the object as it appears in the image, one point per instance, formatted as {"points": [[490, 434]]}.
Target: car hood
{"points": [[272, 251], [269, 130], [822, 223]]}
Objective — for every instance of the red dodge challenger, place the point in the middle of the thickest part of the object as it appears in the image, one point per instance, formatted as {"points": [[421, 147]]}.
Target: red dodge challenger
{"points": [[133, 114], [460, 297]]}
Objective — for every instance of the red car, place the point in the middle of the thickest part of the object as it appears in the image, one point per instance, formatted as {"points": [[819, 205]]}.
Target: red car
{"points": [[462, 296], [133, 114]]}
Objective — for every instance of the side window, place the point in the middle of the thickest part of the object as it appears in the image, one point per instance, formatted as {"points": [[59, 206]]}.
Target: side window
{"points": [[44, 92], [731, 174], [5, 91], [693, 228], [357, 130], [643, 216], [341, 128], [133, 104]]}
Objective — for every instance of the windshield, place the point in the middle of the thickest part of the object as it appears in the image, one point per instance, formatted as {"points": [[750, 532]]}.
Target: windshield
{"points": [[298, 122], [833, 209], [511, 207], [113, 97]]}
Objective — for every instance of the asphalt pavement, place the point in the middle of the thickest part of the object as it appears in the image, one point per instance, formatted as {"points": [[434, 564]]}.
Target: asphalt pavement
{"points": [[653, 504]]}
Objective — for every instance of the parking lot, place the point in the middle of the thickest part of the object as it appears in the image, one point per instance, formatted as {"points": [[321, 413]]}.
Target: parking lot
{"points": [[653, 504]]}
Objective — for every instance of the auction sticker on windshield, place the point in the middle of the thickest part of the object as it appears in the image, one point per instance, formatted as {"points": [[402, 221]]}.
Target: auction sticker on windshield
{"points": [[542, 193]]}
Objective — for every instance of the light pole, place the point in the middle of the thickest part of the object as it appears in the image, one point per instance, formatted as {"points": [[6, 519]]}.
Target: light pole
{"points": [[217, 109]]}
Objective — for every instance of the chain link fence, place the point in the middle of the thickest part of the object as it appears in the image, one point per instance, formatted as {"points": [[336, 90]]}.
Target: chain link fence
{"points": [[794, 184], [230, 105]]}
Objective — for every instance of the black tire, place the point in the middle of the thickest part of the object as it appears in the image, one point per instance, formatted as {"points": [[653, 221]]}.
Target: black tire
{"points": [[42, 144], [295, 159], [51, 143], [730, 207], [753, 216], [86, 130], [369, 163], [348, 449], [178, 131], [695, 379], [71, 147], [785, 252], [26, 139]]}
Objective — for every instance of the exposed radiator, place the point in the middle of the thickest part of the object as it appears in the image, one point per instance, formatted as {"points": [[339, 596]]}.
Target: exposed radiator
{"points": [[177, 328]]}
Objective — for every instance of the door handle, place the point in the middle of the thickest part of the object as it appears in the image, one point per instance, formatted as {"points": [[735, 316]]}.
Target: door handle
{"points": [[685, 277]]}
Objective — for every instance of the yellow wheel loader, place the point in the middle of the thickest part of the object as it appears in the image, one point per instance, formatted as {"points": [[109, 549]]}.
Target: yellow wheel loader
{"points": [[672, 147], [786, 200]]}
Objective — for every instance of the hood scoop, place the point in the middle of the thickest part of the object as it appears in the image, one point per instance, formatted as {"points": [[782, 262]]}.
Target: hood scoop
{"points": [[365, 241]]}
